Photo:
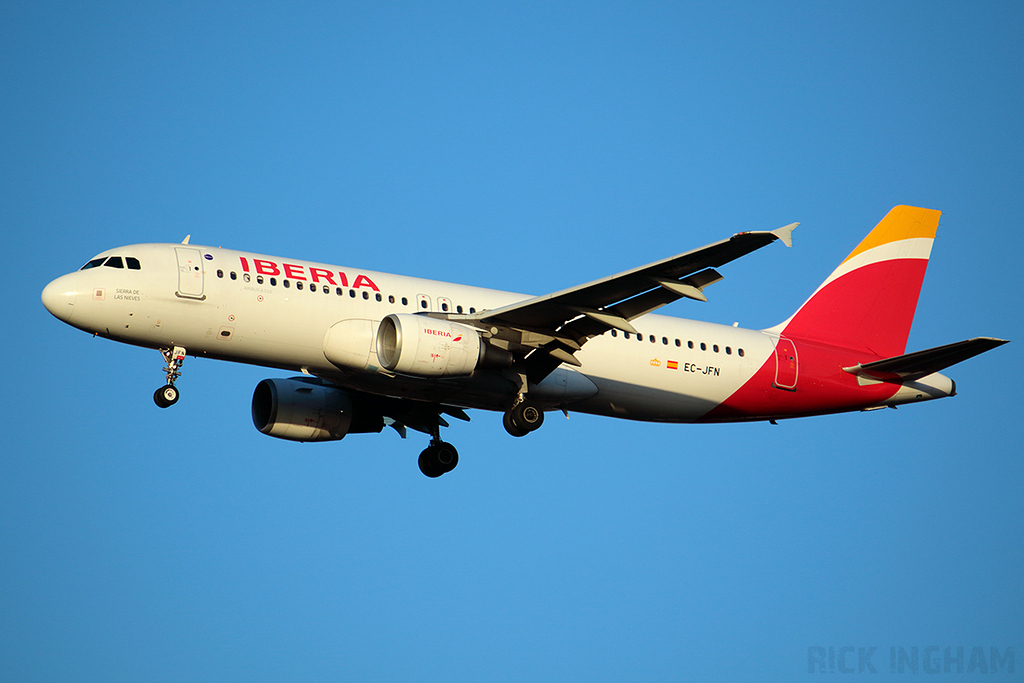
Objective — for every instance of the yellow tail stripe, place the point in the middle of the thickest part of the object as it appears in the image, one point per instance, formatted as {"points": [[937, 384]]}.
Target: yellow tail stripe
{"points": [[903, 222]]}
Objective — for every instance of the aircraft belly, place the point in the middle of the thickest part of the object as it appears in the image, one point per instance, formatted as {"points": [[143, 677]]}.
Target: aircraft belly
{"points": [[485, 391]]}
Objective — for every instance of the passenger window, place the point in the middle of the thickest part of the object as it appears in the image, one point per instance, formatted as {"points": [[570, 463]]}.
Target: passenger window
{"points": [[625, 335], [133, 263], [325, 289], [246, 277], [273, 282], [472, 310], [312, 286], [96, 262], [715, 348], [220, 273], [379, 298], [234, 275], [458, 309], [703, 346], [405, 302], [366, 295], [689, 344], [728, 350], [352, 293], [286, 283], [114, 262], [740, 352], [259, 279], [391, 298], [339, 291], [678, 343], [664, 340], [614, 333], [298, 284]]}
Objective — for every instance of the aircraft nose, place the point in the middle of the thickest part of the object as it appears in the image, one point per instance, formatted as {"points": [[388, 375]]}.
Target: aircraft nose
{"points": [[59, 297]]}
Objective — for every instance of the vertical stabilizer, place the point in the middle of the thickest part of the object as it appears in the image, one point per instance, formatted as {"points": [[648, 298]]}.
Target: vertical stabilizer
{"points": [[868, 302]]}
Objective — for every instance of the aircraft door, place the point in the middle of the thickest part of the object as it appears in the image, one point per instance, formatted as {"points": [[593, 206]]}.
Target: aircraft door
{"points": [[190, 273], [785, 365]]}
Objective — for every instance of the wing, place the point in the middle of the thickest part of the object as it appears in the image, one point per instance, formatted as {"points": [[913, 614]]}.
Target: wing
{"points": [[549, 329]]}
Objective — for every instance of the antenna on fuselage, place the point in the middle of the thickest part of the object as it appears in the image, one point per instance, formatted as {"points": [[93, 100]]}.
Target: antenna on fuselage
{"points": [[187, 238]]}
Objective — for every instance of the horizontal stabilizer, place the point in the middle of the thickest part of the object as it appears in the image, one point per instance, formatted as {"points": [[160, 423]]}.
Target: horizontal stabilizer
{"points": [[912, 366]]}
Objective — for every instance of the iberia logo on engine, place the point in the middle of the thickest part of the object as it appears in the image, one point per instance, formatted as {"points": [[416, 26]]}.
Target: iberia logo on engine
{"points": [[442, 333]]}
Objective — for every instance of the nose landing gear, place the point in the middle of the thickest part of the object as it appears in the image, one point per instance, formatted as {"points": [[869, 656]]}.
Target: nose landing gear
{"points": [[167, 395]]}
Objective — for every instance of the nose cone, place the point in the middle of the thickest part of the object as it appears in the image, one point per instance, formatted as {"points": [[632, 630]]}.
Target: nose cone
{"points": [[59, 297]]}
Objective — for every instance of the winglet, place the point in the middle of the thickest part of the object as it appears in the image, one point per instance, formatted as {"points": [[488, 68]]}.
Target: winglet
{"points": [[785, 233]]}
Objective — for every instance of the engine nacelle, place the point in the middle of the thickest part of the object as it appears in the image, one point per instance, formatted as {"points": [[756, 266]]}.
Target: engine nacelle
{"points": [[306, 410], [428, 347]]}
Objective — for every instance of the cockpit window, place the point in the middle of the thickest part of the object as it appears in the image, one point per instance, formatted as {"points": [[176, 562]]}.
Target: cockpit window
{"points": [[114, 262], [93, 264], [133, 263]]}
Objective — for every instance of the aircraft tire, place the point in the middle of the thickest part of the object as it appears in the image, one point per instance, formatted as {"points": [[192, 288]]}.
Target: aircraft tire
{"points": [[527, 416], [428, 465], [446, 455], [438, 458], [511, 426], [166, 396]]}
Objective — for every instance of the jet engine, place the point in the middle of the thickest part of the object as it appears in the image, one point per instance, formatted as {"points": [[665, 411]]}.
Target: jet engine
{"points": [[307, 410], [429, 347]]}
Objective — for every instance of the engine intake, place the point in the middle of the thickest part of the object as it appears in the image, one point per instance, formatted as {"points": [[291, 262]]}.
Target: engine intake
{"points": [[428, 347], [307, 410]]}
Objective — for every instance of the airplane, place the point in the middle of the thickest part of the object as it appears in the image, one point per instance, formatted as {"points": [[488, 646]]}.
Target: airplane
{"points": [[377, 350]]}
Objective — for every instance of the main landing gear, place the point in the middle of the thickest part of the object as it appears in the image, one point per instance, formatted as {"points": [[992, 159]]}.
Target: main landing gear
{"points": [[523, 418], [167, 395], [438, 458]]}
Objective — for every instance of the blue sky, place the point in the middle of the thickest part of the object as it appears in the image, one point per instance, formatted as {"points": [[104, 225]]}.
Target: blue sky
{"points": [[529, 147]]}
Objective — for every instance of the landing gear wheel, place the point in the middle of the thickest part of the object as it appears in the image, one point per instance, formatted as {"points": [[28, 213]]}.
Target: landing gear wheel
{"points": [[446, 455], [511, 427], [428, 466], [438, 458], [166, 396], [527, 416]]}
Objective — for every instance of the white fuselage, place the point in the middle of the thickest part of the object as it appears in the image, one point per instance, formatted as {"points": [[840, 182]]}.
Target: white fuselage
{"points": [[274, 312]]}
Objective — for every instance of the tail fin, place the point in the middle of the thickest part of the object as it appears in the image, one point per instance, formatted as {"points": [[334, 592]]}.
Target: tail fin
{"points": [[868, 302]]}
